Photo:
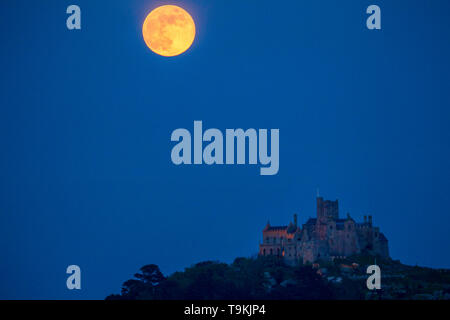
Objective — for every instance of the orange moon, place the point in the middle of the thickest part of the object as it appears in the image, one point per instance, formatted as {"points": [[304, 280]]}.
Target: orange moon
{"points": [[169, 30]]}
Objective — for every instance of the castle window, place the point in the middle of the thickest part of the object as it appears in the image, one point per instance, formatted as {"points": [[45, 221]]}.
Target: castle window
{"points": [[264, 252]]}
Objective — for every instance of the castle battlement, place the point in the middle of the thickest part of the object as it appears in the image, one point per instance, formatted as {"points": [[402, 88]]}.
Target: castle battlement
{"points": [[323, 238]]}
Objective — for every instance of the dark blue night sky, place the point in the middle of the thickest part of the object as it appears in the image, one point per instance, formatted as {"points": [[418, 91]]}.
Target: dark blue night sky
{"points": [[86, 118]]}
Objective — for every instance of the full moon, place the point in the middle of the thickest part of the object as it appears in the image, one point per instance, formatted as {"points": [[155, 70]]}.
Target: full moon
{"points": [[168, 30]]}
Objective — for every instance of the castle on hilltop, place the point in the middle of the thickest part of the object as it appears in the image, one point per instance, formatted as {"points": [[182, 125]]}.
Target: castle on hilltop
{"points": [[323, 238]]}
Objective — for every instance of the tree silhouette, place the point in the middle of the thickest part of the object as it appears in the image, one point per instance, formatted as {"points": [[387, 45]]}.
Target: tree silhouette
{"points": [[150, 275]]}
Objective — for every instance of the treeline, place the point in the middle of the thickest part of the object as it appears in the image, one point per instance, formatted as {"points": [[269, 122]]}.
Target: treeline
{"points": [[245, 278]]}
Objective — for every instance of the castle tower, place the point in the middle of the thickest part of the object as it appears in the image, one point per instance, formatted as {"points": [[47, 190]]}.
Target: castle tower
{"points": [[326, 209]]}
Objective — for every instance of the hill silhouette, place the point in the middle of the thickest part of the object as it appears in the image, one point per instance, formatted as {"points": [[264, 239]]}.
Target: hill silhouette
{"points": [[269, 278]]}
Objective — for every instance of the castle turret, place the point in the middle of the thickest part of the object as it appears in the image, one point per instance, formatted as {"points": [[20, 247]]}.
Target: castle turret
{"points": [[370, 220], [295, 220]]}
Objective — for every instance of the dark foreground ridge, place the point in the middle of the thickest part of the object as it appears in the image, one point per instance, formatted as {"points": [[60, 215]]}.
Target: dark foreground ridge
{"points": [[270, 278]]}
